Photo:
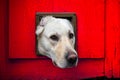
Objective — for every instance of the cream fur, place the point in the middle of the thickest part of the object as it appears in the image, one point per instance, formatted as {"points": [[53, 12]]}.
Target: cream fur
{"points": [[55, 50]]}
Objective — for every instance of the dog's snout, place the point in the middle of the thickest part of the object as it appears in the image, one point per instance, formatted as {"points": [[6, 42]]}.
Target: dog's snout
{"points": [[71, 58]]}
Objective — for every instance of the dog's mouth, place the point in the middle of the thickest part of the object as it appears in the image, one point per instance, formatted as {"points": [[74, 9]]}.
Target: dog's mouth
{"points": [[54, 63]]}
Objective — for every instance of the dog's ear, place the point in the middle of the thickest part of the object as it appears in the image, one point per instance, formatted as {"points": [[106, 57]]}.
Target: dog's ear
{"points": [[42, 23]]}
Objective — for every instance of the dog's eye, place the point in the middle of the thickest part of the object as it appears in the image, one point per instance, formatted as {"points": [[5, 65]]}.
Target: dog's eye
{"points": [[54, 37], [71, 35]]}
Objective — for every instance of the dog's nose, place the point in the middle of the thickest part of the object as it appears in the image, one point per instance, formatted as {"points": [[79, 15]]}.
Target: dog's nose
{"points": [[71, 58]]}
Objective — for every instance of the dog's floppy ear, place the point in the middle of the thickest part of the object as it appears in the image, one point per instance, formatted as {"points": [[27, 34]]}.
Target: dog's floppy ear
{"points": [[42, 23]]}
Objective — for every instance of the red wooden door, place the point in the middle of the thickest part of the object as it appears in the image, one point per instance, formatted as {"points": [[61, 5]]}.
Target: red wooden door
{"points": [[25, 64], [98, 34], [90, 39]]}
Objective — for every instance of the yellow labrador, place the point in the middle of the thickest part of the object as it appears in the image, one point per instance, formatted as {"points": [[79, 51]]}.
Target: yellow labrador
{"points": [[56, 40]]}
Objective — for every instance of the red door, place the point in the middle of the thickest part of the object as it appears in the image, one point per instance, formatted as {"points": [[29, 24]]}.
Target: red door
{"points": [[22, 61], [90, 37]]}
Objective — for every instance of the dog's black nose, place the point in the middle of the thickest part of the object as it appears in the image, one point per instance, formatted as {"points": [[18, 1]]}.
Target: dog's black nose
{"points": [[71, 58]]}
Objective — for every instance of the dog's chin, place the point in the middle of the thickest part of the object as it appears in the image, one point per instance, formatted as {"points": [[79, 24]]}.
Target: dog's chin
{"points": [[64, 66], [59, 65]]}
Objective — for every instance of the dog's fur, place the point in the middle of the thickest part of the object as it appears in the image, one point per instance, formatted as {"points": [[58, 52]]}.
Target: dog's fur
{"points": [[54, 41]]}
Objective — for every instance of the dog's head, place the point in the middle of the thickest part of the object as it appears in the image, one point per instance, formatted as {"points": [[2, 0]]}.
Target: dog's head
{"points": [[56, 40]]}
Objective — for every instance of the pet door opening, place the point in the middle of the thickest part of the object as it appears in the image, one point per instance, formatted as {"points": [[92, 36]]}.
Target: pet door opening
{"points": [[69, 16]]}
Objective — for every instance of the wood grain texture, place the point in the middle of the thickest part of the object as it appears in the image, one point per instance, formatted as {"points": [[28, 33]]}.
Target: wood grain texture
{"points": [[30, 67], [112, 40], [90, 25]]}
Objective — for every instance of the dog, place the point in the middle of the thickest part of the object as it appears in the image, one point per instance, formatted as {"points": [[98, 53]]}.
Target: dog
{"points": [[56, 40]]}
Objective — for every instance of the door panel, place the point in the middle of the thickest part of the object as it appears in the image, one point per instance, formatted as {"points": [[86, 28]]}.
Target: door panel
{"points": [[90, 25]]}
